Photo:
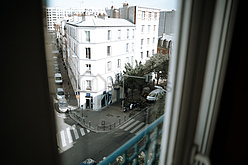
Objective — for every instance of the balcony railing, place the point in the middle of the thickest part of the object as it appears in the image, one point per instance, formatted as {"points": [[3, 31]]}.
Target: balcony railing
{"points": [[138, 150]]}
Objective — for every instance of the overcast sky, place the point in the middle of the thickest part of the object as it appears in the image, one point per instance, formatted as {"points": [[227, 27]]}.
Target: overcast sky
{"points": [[161, 4]]}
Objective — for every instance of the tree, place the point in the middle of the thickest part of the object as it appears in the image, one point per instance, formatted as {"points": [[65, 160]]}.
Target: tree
{"points": [[134, 83], [159, 65]]}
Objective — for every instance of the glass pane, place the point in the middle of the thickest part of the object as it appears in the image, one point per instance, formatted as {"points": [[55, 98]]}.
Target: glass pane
{"points": [[124, 92]]}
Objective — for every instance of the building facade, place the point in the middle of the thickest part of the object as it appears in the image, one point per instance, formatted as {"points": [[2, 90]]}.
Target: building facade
{"points": [[165, 45], [166, 22], [98, 48], [146, 20]]}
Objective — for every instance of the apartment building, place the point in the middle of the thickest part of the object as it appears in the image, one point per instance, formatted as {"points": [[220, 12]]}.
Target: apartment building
{"points": [[52, 15], [166, 22], [98, 48], [146, 20]]}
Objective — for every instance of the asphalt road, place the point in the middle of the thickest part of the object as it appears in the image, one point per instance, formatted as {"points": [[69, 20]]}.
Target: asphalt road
{"points": [[76, 144]]}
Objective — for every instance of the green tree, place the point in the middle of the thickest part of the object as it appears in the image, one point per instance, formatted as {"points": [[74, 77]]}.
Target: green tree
{"points": [[134, 83], [159, 65]]}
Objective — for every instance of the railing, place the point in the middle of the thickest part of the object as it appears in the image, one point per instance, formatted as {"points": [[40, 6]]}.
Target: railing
{"points": [[138, 150]]}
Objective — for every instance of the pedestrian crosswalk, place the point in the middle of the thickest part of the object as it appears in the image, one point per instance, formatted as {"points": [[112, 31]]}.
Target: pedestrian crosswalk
{"points": [[134, 126], [69, 135]]}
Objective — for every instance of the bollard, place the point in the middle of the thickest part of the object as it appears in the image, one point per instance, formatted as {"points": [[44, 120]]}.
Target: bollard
{"points": [[110, 127], [83, 121], [114, 125], [125, 117], [89, 124], [119, 121]]}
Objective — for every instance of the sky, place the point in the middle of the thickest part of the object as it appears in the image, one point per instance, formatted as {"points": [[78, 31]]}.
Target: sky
{"points": [[161, 4]]}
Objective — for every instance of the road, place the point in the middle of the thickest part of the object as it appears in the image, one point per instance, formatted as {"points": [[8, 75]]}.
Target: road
{"points": [[75, 143]]}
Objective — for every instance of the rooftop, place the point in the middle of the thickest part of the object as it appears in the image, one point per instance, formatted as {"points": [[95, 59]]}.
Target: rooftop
{"points": [[87, 21]]}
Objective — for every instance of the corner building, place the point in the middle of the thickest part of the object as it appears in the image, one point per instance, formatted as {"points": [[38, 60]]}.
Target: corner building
{"points": [[98, 48]]}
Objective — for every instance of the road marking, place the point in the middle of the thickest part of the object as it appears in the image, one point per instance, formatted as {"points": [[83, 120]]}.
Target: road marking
{"points": [[136, 128], [62, 135], [82, 131], [88, 131], [130, 121], [75, 131], [69, 134], [141, 129], [131, 125]]}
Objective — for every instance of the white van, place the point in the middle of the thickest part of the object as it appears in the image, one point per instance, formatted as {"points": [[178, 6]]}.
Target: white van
{"points": [[58, 78], [156, 94]]}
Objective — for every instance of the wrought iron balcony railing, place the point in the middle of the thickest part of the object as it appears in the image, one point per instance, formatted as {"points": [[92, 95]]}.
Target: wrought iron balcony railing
{"points": [[141, 149]]}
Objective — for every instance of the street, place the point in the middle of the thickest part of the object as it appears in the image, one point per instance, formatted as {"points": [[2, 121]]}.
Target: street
{"points": [[76, 143]]}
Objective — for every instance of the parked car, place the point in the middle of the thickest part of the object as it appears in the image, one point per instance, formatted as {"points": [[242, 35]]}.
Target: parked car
{"points": [[63, 106], [58, 78], [60, 93], [156, 94]]}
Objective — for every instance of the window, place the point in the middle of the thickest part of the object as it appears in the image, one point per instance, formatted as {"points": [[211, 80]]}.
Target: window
{"points": [[153, 40], [88, 84], [152, 51], [88, 53], [119, 63], [88, 67], [109, 34], [119, 34], [127, 60], [141, 55], [108, 50], [127, 33], [109, 65], [127, 45], [149, 15], [143, 14], [149, 28], [155, 15], [132, 47], [142, 28], [87, 34], [147, 53], [142, 41], [148, 41], [133, 33]]}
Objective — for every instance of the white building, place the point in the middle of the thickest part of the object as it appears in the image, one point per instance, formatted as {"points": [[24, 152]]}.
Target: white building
{"points": [[55, 13], [146, 20], [52, 15], [98, 49]]}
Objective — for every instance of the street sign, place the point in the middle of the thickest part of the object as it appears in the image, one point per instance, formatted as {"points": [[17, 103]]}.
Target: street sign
{"points": [[77, 96]]}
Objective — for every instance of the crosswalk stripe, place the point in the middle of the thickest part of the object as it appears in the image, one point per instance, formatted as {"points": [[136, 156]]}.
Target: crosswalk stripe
{"points": [[130, 121], [69, 134], [141, 129], [75, 131], [62, 135], [136, 128], [131, 125], [82, 131]]}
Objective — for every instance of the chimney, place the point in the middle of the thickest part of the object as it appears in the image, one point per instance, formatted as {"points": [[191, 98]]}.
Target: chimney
{"points": [[163, 35]]}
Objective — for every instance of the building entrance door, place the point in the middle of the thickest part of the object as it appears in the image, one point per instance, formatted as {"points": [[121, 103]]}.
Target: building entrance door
{"points": [[89, 103]]}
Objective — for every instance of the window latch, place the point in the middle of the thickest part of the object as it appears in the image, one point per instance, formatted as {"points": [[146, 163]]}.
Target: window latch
{"points": [[198, 157]]}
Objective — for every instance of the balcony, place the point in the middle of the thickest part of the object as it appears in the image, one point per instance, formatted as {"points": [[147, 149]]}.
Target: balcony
{"points": [[141, 149]]}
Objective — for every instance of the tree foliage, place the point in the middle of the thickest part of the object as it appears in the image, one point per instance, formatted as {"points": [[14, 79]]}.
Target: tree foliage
{"points": [[159, 65], [138, 70]]}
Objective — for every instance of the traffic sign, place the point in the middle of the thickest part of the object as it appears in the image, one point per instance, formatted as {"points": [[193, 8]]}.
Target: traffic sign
{"points": [[77, 96]]}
